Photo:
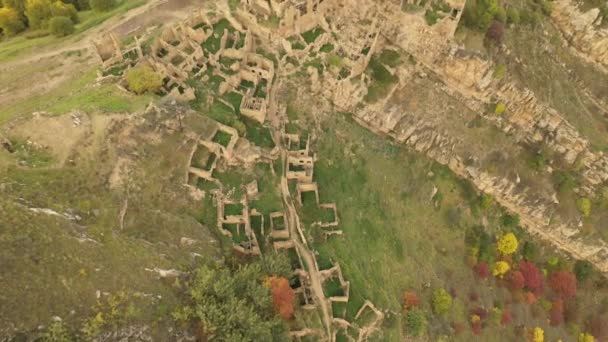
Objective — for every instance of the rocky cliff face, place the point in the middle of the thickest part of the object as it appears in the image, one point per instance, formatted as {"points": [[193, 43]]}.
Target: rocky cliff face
{"points": [[582, 30]]}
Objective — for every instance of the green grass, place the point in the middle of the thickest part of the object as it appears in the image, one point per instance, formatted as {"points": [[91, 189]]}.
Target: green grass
{"points": [[258, 134], [79, 93], [312, 35], [222, 138], [382, 80], [327, 48]]}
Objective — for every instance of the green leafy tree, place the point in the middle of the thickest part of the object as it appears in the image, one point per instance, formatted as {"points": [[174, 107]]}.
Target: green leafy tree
{"points": [[102, 5], [232, 306], [442, 301], [415, 322], [10, 22], [60, 9], [38, 13], [142, 79], [61, 26]]}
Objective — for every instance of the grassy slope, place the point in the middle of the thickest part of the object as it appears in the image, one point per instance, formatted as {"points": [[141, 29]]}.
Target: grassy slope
{"points": [[78, 93], [42, 253], [395, 239]]}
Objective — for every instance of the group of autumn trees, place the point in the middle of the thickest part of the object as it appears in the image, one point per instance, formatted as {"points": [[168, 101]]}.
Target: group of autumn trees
{"points": [[547, 288], [54, 16]]}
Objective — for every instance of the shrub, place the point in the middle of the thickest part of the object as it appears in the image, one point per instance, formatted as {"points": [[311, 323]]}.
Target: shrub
{"points": [[507, 244], [410, 300], [10, 22], [583, 269], [61, 26], [500, 71], [584, 206], [509, 221], [564, 284], [500, 268], [500, 108], [143, 79], [442, 301], [102, 5], [501, 15], [563, 181], [415, 322], [283, 297], [513, 16], [496, 32]]}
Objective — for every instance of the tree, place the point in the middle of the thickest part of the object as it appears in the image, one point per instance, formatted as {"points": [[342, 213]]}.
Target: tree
{"points": [[516, 280], [283, 296], [415, 322], [142, 79], [10, 22], [61, 26], [512, 15], [533, 278], [564, 284], [102, 5], [530, 251], [538, 335], [442, 301], [60, 9], [482, 270], [598, 327], [584, 206], [410, 300], [507, 244], [38, 13], [231, 306], [500, 268], [17, 5], [496, 32], [556, 313]]}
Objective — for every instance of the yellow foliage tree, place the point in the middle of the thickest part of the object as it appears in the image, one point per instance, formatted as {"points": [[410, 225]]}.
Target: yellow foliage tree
{"points": [[500, 268], [507, 244], [538, 335], [585, 337]]}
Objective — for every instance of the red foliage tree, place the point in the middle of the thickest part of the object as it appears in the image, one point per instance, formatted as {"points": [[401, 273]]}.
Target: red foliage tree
{"points": [[283, 296], [564, 284], [506, 318], [533, 278], [410, 299], [556, 313], [516, 280], [482, 270]]}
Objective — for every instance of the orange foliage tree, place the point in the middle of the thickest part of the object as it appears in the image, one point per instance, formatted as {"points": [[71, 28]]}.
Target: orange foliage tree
{"points": [[283, 296], [410, 300]]}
